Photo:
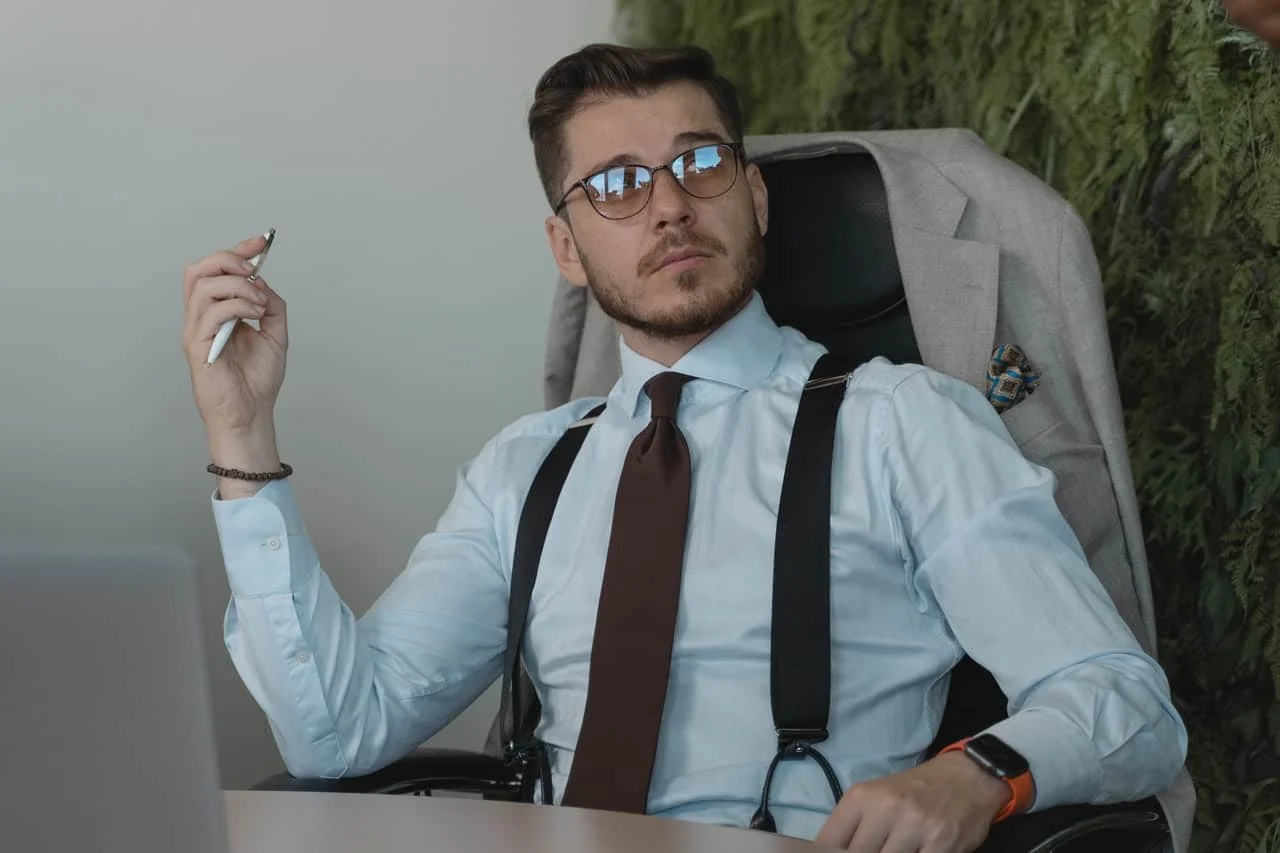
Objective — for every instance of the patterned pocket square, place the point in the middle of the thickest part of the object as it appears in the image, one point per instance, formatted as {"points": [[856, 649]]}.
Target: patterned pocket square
{"points": [[1010, 377]]}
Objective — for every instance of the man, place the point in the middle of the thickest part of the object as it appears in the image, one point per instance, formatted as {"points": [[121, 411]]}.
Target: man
{"points": [[1261, 17], [945, 540]]}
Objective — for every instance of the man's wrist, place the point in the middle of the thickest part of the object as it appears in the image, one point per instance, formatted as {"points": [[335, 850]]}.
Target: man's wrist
{"points": [[252, 450], [993, 793], [249, 449]]}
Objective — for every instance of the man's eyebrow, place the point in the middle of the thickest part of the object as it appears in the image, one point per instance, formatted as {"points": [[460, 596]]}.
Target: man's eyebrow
{"points": [[626, 159], [692, 137], [689, 137]]}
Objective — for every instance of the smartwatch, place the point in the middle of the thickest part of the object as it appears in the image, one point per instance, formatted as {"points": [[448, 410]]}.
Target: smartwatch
{"points": [[1003, 762]]}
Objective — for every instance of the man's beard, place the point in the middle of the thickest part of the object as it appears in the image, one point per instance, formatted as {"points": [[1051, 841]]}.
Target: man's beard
{"points": [[708, 307]]}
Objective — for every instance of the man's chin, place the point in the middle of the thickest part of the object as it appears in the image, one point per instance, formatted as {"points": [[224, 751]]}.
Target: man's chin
{"points": [[688, 314], [674, 287], [670, 328]]}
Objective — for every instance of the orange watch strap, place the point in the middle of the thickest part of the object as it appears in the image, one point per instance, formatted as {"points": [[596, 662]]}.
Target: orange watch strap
{"points": [[1021, 787], [1023, 791]]}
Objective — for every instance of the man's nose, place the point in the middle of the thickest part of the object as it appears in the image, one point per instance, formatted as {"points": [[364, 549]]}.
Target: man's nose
{"points": [[670, 203]]}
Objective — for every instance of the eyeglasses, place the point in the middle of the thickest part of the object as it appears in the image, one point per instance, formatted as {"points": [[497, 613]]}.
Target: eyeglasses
{"points": [[620, 192]]}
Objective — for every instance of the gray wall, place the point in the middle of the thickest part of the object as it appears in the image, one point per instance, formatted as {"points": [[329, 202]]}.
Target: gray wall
{"points": [[385, 140]]}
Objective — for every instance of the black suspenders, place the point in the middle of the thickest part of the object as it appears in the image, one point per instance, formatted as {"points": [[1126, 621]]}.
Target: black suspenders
{"points": [[520, 709], [800, 658], [800, 665]]}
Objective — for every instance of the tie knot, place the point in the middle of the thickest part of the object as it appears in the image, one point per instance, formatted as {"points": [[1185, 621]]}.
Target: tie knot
{"points": [[664, 392]]}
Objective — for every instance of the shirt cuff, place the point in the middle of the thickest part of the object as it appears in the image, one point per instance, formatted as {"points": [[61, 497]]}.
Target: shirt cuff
{"points": [[1063, 760], [264, 544]]}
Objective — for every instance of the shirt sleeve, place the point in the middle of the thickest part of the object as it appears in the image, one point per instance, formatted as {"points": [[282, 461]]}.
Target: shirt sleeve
{"points": [[989, 548], [347, 696]]}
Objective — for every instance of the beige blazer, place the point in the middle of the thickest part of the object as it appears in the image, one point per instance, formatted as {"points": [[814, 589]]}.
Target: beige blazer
{"points": [[989, 255]]}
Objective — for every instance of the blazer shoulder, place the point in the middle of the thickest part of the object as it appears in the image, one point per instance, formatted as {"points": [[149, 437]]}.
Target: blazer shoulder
{"points": [[982, 173]]}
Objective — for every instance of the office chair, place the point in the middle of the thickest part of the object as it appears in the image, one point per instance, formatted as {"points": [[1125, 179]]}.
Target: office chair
{"points": [[833, 273]]}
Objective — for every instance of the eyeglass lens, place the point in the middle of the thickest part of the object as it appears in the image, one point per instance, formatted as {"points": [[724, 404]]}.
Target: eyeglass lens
{"points": [[703, 172]]}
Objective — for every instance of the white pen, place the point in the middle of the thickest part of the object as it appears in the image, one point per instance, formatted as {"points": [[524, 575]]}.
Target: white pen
{"points": [[225, 330]]}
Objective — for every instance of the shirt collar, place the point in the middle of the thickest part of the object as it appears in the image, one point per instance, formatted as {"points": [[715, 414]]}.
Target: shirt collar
{"points": [[741, 353]]}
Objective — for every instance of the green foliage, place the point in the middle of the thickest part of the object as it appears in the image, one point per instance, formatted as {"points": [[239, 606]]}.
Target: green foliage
{"points": [[1160, 122]]}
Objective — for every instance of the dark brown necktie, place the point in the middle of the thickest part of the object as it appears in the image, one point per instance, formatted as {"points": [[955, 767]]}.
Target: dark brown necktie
{"points": [[636, 619]]}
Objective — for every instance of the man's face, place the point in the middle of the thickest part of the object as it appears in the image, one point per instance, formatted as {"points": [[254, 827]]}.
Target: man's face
{"points": [[683, 265]]}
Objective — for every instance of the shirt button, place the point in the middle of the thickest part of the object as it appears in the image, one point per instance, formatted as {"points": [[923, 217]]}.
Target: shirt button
{"points": [[301, 657], [273, 543]]}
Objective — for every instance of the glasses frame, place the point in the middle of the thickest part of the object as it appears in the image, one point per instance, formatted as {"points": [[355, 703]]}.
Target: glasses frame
{"points": [[739, 160]]}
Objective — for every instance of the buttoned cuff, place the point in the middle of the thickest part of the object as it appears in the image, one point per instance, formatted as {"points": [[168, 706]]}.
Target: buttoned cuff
{"points": [[264, 544], [1062, 759]]}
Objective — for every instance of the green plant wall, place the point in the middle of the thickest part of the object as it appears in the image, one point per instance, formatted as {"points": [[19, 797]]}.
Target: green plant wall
{"points": [[1159, 121]]}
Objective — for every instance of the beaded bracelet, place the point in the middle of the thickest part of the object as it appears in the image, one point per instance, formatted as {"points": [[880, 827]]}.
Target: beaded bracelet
{"points": [[236, 474]]}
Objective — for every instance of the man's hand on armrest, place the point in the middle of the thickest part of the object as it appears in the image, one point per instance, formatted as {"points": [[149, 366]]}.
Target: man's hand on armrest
{"points": [[946, 805]]}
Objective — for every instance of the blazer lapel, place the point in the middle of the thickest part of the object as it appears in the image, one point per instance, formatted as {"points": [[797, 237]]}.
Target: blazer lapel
{"points": [[951, 284]]}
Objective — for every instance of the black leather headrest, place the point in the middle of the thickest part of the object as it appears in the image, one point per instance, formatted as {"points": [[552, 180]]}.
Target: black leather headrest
{"points": [[831, 268]]}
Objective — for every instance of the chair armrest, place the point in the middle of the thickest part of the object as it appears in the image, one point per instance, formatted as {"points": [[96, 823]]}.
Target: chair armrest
{"points": [[422, 772], [1130, 827]]}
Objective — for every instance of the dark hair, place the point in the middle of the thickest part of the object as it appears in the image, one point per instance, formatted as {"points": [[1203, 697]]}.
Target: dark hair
{"points": [[610, 69]]}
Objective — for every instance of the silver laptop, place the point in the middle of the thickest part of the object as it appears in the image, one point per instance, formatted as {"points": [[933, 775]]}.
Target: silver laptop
{"points": [[107, 736]]}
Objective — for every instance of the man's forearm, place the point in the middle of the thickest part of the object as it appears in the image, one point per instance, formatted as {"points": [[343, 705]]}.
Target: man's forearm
{"points": [[1101, 731], [253, 450], [346, 695]]}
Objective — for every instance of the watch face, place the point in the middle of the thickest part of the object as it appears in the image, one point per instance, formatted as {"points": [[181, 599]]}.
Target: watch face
{"points": [[997, 757]]}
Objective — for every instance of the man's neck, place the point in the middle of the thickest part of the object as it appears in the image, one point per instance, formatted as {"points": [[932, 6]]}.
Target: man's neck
{"points": [[665, 351]]}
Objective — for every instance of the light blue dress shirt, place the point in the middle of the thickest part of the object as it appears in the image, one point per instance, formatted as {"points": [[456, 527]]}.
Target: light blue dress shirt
{"points": [[944, 539]]}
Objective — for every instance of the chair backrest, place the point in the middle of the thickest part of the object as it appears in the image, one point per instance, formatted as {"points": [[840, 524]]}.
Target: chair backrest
{"points": [[829, 222]]}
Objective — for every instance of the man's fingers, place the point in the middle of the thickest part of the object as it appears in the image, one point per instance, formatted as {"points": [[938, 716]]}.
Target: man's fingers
{"points": [[907, 838], [871, 832], [839, 829], [231, 262], [211, 290], [273, 298], [217, 264], [221, 312], [249, 247], [274, 322]]}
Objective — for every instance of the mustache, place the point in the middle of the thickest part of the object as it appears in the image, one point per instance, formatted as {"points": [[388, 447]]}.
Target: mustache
{"points": [[672, 242]]}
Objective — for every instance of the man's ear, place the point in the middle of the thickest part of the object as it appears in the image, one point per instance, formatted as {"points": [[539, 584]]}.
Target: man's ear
{"points": [[759, 196], [565, 250]]}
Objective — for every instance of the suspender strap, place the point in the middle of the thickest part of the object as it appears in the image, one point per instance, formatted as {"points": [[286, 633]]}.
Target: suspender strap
{"points": [[800, 666], [800, 657], [520, 707]]}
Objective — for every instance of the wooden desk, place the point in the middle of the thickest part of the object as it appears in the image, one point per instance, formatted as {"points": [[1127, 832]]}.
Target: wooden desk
{"points": [[305, 822]]}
